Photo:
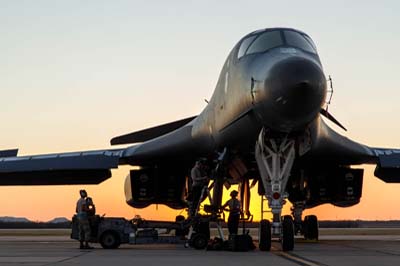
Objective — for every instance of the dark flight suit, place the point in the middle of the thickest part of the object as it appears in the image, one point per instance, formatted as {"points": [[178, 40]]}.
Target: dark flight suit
{"points": [[234, 215]]}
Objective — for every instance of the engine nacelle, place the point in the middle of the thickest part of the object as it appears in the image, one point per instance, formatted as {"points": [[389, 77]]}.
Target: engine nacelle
{"points": [[156, 185], [341, 187]]}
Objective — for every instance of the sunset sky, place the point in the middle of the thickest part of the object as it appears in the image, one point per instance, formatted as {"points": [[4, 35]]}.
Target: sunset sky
{"points": [[73, 74]]}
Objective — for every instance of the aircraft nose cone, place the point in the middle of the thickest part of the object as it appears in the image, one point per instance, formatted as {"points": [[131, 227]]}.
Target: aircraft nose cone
{"points": [[297, 90]]}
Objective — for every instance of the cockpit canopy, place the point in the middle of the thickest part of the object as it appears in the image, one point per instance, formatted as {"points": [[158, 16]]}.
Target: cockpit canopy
{"points": [[260, 42]]}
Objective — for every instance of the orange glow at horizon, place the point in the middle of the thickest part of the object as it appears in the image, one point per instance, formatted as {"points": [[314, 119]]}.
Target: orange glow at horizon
{"points": [[47, 202]]}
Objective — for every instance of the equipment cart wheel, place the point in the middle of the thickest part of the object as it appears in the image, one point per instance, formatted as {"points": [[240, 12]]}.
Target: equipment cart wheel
{"points": [[264, 235], [311, 227], [287, 236], [199, 241], [110, 240], [180, 232]]}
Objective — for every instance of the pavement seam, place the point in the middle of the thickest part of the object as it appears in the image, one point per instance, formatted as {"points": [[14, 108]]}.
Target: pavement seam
{"points": [[365, 249], [70, 258]]}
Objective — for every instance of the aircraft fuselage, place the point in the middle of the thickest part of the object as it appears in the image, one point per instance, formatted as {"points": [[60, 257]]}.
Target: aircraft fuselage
{"points": [[282, 89]]}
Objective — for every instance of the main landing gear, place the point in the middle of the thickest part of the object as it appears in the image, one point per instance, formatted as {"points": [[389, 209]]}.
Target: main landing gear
{"points": [[309, 227]]}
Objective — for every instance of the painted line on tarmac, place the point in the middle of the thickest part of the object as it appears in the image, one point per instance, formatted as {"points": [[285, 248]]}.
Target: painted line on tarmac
{"points": [[298, 259], [295, 258]]}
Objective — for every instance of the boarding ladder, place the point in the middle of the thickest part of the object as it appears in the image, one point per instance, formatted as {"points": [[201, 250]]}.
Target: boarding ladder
{"points": [[264, 207]]}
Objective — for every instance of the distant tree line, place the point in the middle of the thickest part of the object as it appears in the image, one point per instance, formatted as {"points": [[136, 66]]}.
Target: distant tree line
{"points": [[346, 224], [359, 224]]}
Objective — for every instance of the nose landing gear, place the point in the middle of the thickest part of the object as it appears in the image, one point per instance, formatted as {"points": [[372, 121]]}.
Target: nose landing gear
{"points": [[264, 236], [275, 157], [287, 234]]}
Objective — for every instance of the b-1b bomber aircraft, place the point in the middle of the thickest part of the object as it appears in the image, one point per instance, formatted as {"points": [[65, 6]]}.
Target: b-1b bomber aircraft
{"points": [[263, 125]]}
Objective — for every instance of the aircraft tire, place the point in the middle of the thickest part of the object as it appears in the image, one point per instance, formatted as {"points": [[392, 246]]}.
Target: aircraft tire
{"points": [[264, 242], [311, 227], [110, 240], [287, 238], [203, 228]]}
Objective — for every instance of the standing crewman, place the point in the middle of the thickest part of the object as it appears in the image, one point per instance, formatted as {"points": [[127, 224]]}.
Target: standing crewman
{"points": [[199, 181], [234, 213], [82, 209], [90, 207]]}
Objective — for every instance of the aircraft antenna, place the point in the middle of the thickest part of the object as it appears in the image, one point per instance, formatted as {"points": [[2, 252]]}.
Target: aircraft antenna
{"points": [[329, 93]]}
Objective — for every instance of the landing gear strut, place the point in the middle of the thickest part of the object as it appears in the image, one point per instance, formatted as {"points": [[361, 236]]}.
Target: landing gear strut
{"points": [[297, 212], [309, 227], [275, 157]]}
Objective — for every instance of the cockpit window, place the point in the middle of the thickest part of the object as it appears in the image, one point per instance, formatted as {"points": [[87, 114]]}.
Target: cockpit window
{"points": [[265, 41], [244, 45], [298, 40], [311, 42]]}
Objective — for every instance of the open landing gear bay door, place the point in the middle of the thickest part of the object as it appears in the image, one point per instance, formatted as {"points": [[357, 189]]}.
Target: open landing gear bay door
{"points": [[90, 167]]}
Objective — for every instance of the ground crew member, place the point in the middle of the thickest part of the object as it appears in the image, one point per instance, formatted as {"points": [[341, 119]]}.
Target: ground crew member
{"points": [[234, 213], [83, 220], [199, 181], [91, 209]]}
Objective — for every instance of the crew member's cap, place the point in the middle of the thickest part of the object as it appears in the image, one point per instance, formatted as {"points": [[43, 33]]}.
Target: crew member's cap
{"points": [[234, 193]]}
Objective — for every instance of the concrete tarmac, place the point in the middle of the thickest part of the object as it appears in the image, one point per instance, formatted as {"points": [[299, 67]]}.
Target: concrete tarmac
{"points": [[341, 250]]}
